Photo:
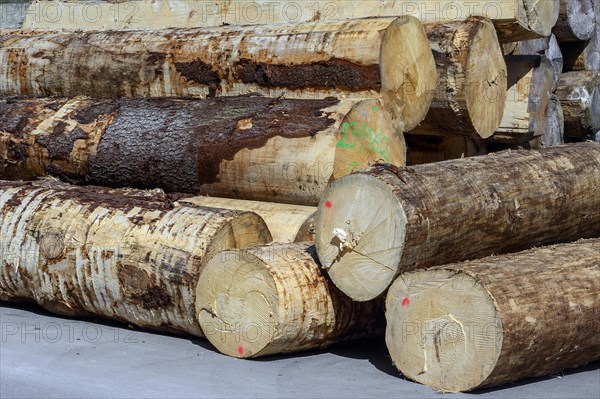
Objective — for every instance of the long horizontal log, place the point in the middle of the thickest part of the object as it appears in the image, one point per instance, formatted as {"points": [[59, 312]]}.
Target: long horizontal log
{"points": [[254, 148], [133, 257], [472, 79], [514, 19], [275, 299], [497, 320], [579, 94], [378, 223], [530, 81], [357, 59], [576, 20], [287, 223]]}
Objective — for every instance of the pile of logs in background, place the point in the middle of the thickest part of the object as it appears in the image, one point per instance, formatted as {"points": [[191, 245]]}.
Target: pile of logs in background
{"points": [[261, 176]]}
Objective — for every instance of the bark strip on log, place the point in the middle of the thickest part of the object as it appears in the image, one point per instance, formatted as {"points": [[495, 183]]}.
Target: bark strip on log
{"points": [[514, 19], [530, 80], [287, 223], [254, 148], [497, 320], [579, 94], [576, 20], [274, 299], [472, 79], [119, 254], [375, 224], [357, 58]]}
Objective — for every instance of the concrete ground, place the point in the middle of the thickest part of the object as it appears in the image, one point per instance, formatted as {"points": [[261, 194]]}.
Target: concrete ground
{"points": [[42, 355]]}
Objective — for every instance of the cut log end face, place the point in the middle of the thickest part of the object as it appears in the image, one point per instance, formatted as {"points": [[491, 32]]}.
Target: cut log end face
{"points": [[360, 230], [443, 331], [367, 136], [486, 80], [236, 303], [408, 72], [542, 15]]}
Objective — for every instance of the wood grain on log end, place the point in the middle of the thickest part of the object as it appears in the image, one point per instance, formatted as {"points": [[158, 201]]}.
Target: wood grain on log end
{"points": [[542, 15], [275, 299], [408, 72], [497, 320]]}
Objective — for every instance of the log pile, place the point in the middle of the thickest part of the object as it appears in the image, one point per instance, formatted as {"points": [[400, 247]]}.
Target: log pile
{"points": [[244, 179]]}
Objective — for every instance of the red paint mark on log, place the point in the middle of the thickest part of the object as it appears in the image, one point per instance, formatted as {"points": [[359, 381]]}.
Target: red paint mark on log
{"points": [[241, 349], [405, 302], [328, 205]]}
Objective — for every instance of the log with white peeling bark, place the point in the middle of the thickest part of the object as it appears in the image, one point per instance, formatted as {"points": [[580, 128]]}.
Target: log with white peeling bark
{"points": [[357, 58], [530, 81], [373, 225], [427, 149], [472, 79], [497, 320], [254, 148], [579, 94], [274, 299], [584, 55], [514, 19], [287, 223], [554, 130], [120, 254], [576, 20]]}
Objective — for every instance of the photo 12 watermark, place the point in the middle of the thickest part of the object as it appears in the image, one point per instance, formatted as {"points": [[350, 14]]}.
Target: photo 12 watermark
{"points": [[64, 331]]}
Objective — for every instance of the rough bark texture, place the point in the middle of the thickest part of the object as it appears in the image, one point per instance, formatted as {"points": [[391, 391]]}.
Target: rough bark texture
{"points": [[427, 149], [576, 20], [274, 299], [416, 220], [255, 148], [498, 319], [579, 94], [287, 223], [514, 19], [119, 254], [530, 81], [310, 60], [472, 79], [554, 131]]}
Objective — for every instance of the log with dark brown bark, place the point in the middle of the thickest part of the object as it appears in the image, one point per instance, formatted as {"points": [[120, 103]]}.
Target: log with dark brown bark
{"points": [[254, 148], [378, 223], [123, 254], [472, 79], [514, 19], [530, 81], [274, 299], [357, 59], [579, 94], [576, 20], [499, 319]]}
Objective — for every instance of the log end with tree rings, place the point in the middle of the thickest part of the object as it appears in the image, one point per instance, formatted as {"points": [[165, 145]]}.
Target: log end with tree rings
{"points": [[486, 80], [542, 15], [367, 136], [429, 330], [408, 72], [360, 230]]}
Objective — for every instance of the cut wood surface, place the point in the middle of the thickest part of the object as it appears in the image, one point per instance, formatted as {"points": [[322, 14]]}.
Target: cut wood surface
{"points": [[576, 20], [287, 223], [586, 54], [120, 254], [429, 215], [514, 19], [579, 94], [274, 299], [530, 81], [497, 320], [554, 130], [472, 79], [357, 58], [547, 46], [427, 149], [254, 148]]}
